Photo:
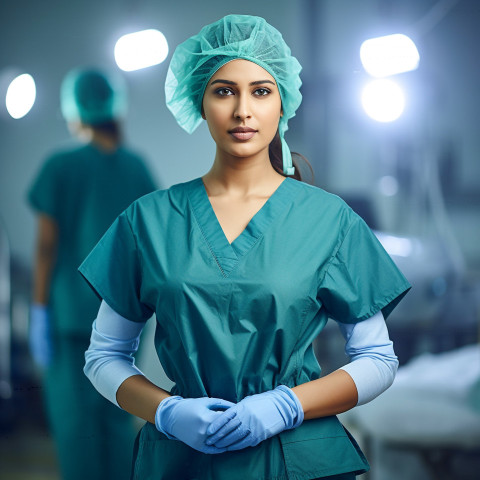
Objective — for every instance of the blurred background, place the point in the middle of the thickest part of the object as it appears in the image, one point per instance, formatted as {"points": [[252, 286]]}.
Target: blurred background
{"points": [[404, 152]]}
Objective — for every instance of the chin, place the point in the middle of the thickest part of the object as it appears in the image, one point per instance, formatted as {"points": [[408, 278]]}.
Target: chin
{"points": [[245, 150]]}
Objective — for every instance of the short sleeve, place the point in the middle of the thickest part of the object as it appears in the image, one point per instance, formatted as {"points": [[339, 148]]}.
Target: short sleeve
{"points": [[114, 272], [44, 193], [361, 278]]}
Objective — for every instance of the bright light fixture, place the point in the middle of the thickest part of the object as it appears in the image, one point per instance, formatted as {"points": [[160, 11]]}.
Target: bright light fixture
{"points": [[389, 55], [383, 100], [138, 50], [396, 246], [388, 185], [21, 94]]}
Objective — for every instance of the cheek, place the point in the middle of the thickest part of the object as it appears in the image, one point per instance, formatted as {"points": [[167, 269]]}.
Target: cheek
{"points": [[272, 109], [216, 116], [271, 117], [216, 123]]}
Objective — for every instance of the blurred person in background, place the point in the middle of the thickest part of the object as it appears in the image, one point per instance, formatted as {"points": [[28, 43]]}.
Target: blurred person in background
{"points": [[77, 195]]}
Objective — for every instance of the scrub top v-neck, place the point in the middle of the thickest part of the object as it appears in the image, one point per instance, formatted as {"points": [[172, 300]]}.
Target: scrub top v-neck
{"points": [[228, 253], [237, 319]]}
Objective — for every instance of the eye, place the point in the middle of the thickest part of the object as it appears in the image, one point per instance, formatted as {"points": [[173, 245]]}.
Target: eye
{"points": [[262, 92], [223, 91]]}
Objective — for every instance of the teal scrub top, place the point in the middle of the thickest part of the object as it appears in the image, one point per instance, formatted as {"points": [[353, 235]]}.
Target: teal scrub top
{"points": [[238, 319], [83, 189]]}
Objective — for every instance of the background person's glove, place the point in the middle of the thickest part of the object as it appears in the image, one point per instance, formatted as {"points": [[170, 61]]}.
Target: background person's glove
{"points": [[187, 420], [40, 335], [256, 418]]}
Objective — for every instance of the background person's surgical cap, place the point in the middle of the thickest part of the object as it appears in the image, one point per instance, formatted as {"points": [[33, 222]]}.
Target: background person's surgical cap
{"points": [[92, 97], [247, 37]]}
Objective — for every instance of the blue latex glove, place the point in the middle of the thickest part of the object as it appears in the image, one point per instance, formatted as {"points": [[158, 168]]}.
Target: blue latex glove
{"points": [[187, 420], [40, 335], [255, 419]]}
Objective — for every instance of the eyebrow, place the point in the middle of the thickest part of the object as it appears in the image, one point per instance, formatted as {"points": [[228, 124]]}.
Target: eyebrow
{"points": [[229, 82]]}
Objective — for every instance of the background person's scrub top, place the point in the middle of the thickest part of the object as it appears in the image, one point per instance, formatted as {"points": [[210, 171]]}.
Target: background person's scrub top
{"points": [[239, 319], [83, 189]]}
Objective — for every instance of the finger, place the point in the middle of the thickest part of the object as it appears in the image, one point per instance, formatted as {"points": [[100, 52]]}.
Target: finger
{"points": [[233, 437], [248, 441], [221, 420], [212, 449], [229, 427]]}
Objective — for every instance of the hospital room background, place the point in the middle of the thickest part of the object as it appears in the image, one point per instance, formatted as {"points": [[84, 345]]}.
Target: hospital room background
{"points": [[399, 141]]}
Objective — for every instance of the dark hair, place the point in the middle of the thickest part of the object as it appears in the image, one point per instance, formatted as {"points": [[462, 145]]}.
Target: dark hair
{"points": [[110, 128], [303, 169]]}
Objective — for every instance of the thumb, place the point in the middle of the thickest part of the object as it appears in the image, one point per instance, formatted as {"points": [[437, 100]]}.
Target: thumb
{"points": [[220, 404]]}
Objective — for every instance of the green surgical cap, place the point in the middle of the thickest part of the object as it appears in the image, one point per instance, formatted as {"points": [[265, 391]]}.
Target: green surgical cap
{"points": [[197, 59], [92, 97]]}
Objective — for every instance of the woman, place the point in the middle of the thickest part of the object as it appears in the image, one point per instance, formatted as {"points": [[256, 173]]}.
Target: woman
{"points": [[242, 268], [77, 195]]}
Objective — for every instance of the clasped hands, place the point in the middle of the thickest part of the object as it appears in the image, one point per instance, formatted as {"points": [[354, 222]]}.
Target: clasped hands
{"points": [[213, 425]]}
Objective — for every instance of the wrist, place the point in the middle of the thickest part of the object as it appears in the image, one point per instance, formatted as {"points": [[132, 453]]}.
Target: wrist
{"points": [[164, 414], [293, 403], [39, 307], [40, 318]]}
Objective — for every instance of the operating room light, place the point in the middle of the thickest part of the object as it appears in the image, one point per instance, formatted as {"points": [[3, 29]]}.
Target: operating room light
{"points": [[388, 185], [142, 49], [383, 100], [21, 94], [394, 245], [389, 55]]}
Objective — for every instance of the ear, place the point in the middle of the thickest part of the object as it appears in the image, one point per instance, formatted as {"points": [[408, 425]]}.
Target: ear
{"points": [[281, 112], [203, 114]]}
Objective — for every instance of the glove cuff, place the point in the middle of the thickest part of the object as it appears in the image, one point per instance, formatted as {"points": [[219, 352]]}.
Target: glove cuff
{"points": [[294, 403], [164, 412]]}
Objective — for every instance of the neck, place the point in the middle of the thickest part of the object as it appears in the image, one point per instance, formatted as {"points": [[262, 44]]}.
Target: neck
{"points": [[104, 141], [241, 176]]}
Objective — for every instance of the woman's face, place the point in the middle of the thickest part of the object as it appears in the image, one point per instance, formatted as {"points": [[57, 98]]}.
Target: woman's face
{"points": [[242, 108]]}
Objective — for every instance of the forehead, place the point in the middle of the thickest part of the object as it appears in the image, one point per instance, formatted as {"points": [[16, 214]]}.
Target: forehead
{"points": [[241, 70]]}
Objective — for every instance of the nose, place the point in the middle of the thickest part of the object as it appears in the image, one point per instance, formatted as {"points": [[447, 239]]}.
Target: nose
{"points": [[242, 108]]}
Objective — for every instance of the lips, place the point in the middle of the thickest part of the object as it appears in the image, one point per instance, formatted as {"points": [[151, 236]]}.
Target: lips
{"points": [[243, 133]]}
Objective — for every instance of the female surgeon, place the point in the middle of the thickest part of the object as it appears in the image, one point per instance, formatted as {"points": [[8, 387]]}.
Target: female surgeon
{"points": [[242, 268], [77, 195]]}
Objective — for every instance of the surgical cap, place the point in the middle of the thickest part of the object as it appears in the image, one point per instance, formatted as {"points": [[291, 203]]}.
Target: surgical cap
{"points": [[92, 97], [196, 60]]}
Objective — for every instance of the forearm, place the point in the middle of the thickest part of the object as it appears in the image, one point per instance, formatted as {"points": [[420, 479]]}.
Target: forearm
{"points": [[373, 363], [45, 257], [371, 371], [330, 395], [110, 365], [140, 397], [41, 279]]}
